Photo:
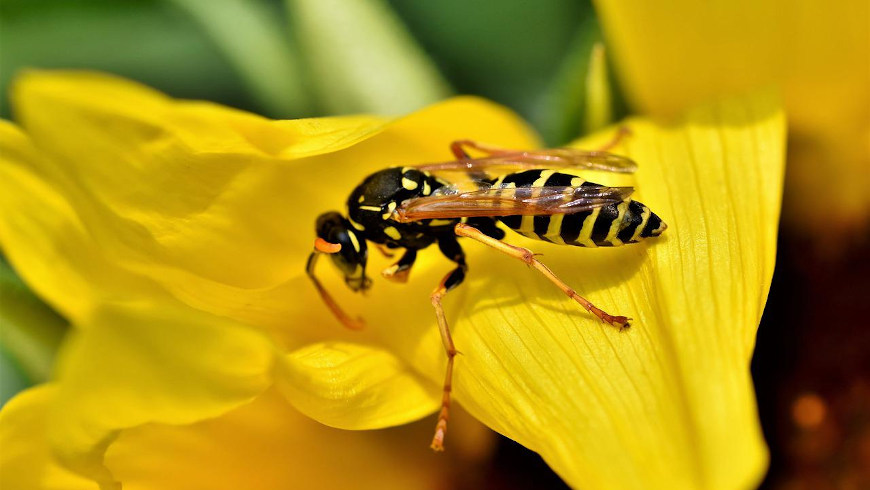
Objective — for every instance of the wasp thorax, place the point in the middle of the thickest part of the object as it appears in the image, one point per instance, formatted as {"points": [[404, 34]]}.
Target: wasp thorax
{"points": [[351, 259]]}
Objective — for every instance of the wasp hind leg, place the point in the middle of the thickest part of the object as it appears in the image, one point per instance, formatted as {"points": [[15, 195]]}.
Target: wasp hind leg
{"points": [[487, 226], [529, 258], [399, 271], [621, 134], [459, 147], [449, 247]]}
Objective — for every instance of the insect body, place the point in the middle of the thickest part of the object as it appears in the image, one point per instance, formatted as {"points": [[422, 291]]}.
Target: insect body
{"points": [[613, 224], [411, 208]]}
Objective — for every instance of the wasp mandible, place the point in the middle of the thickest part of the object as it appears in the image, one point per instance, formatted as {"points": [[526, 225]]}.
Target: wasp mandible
{"points": [[413, 207]]}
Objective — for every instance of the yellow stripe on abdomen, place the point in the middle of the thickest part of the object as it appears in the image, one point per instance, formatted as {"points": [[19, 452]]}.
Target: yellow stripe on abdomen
{"points": [[615, 226], [585, 237], [554, 229]]}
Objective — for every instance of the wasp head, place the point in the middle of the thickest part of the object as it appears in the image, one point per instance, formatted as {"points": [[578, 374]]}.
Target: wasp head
{"points": [[351, 257]]}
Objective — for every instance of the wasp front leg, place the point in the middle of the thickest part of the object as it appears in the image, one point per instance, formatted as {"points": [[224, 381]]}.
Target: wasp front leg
{"points": [[399, 271], [450, 247]]}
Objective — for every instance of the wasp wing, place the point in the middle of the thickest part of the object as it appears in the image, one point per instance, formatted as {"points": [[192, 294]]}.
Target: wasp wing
{"points": [[498, 201], [556, 158]]}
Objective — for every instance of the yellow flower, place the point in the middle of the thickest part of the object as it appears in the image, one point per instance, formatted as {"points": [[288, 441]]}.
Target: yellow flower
{"points": [[264, 444], [174, 236], [818, 54]]}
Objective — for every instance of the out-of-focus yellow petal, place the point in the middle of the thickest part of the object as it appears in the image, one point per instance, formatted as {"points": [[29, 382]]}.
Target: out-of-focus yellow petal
{"points": [[91, 106], [139, 363], [671, 57], [669, 402], [264, 444], [26, 462], [47, 242], [268, 445], [353, 386]]}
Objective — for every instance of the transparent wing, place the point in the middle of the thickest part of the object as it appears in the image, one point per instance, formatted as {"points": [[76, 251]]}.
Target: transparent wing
{"points": [[557, 158], [511, 202]]}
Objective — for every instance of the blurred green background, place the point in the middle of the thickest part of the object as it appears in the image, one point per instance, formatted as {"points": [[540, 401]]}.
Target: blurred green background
{"points": [[297, 58]]}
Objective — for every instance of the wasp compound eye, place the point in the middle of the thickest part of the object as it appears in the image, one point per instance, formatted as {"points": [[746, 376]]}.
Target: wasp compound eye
{"points": [[333, 228]]}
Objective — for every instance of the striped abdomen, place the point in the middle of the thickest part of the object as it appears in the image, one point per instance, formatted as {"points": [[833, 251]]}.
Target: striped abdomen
{"points": [[615, 224]]}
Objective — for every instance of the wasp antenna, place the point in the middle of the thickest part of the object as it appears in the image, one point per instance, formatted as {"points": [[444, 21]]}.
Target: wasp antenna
{"points": [[322, 245]]}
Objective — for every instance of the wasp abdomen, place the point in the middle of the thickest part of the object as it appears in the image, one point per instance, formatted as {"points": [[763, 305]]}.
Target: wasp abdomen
{"points": [[612, 225]]}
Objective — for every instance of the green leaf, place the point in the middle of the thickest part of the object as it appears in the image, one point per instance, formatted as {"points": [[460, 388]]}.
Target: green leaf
{"points": [[599, 101], [249, 34], [12, 378], [145, 40], [30, 331], [508, 51], [563, 115], [361, 57]]}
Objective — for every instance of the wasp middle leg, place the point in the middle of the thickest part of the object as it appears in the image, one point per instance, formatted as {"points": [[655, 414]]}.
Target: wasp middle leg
{"points": [[399, 271], [450, 248], [529, 258], [347, 321]]}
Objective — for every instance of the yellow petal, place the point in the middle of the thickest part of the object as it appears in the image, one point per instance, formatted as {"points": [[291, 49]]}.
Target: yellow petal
{"points": [[817, 53], [136, 364], [26, 462], [268, 445], [669, 402], [45, 240], [351, 386]]}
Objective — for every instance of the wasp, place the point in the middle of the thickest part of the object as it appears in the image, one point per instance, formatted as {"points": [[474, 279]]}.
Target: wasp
{"points": [[529, 192]]}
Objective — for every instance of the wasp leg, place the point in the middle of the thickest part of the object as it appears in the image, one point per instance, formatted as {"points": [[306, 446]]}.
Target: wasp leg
{"points": [[529, 258], [457, 148], [450, 247], [487, 226], [399, 271], [621, 133], [353, 324], [386, 252]]}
